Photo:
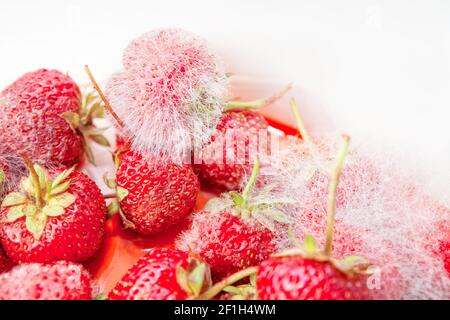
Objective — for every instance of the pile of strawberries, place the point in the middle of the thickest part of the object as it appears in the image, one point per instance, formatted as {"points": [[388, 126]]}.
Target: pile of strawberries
{"points": [[52, 218]]}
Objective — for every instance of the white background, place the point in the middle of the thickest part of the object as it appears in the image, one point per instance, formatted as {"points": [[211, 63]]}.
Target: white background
{"points": [[378, 70]]}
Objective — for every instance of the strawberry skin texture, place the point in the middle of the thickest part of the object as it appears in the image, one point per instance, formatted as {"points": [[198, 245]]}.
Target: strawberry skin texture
{"points": [[297, 278], [153, 277], [215, 170], [60, 280], [5, 263], [74, 236], [159, 195], [228, 243], [31, 119]]}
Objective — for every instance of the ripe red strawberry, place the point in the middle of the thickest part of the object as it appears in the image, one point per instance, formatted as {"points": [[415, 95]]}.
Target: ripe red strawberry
{"points": [[308, 274], [43, 115], [233, 233], [57, 281], [224, 165], [163, 274], [154, 196], [31, 119], [229, 243], [53, 217], [298, 278]]}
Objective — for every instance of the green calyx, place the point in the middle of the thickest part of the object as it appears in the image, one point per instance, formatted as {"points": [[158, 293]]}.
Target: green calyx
{"points": [[114, 206], [227, 283], [244, 291], [244, 206], [194, 279], [39, 199], [121, 193], [91, 107]]}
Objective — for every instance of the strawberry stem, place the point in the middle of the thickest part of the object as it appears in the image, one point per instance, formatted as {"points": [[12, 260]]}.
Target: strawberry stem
{"points": [[35, 180], [259, 103], [102, 95], [251, 182], [299, 122], [332, 194], [219, 286]]}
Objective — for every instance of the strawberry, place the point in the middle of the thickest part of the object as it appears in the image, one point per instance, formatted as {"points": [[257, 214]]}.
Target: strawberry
{"points": [[42, 114], [359, 177], [56, 216], [233, 232], [163, 274], [170, 92], [346, 239], [123, 143], [60, 280], [229, 243], [296, 278], [444, 252], [154, 196], [438, 240], [308, 274], [5, 263], [241, 133], [226, 162]]}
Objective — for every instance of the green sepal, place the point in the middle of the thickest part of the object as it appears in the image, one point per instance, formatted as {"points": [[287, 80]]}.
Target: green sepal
{"points": [[89, 153], [109, 182], [42, 177], [72, 118], [195, 278], [121, 193], [62, 176], [101, 296], [100, 139], [113, 208], [238, 200], [64, 200], [53, 210], [36, 224], [60, 188], [231, 289], [14, 199], [15, 213], [310, 245], [82, 123]]}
